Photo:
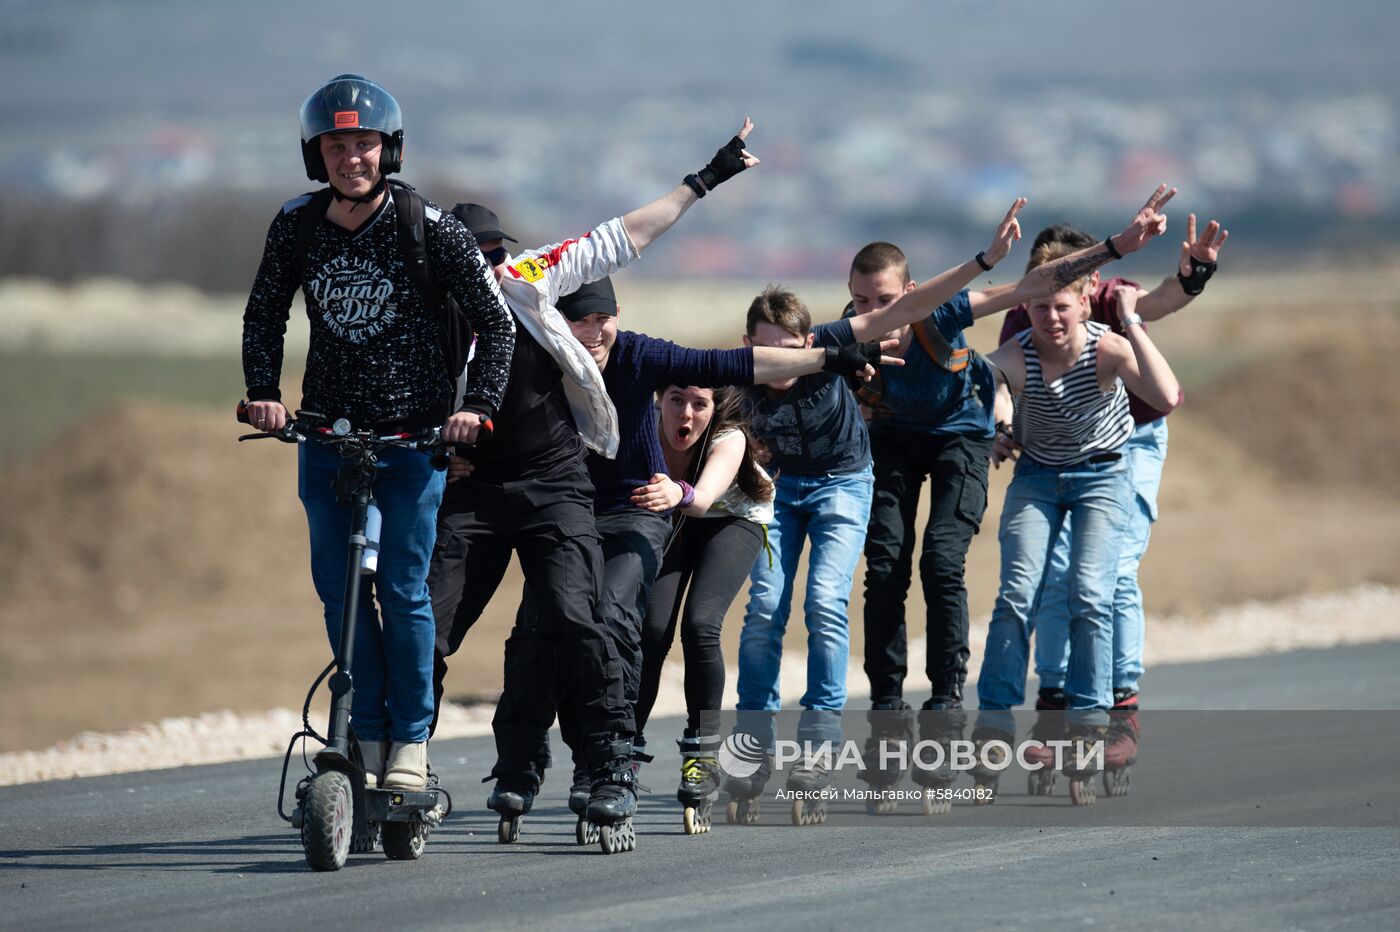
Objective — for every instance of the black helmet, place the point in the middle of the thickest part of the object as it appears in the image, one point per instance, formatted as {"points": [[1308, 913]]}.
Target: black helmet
{"points": [[345, 103]]}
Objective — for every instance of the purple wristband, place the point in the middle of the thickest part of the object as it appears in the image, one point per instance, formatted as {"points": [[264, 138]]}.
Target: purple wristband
{"points": [[687, 494]]}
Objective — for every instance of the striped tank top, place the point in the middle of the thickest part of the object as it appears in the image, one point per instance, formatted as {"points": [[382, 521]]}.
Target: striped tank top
{"points": [[1069, 420]]}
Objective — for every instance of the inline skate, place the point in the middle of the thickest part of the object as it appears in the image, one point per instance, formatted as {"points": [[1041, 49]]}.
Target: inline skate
{"points": [[891, 735], [699, 787]]}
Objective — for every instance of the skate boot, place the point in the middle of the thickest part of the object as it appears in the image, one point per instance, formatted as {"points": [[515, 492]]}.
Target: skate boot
{"points": [[612, 800], [744, 791], [810, 778], [1121, 751], [512, 797], [1083, 759], [991, 750], [891, 735], [585, 832], [699, 780], [1050, 705], [940, 723]]}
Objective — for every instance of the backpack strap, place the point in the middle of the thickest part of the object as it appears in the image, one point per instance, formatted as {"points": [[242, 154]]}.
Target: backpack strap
{"points": [[313, 210], [938, 348], [410, 212], [455, 336]]}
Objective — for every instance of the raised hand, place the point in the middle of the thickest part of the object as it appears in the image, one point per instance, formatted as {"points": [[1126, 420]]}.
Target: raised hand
{"points": [[1008, 232], [1206, 248], [731, 159], [750, 160], [1149, 223]]}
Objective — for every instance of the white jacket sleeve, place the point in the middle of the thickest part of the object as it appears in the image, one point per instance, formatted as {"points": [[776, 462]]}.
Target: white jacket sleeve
{"points": [[568, 265]]}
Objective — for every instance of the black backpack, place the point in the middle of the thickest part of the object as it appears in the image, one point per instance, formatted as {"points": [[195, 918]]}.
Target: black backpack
{"points": [[454, 328]]}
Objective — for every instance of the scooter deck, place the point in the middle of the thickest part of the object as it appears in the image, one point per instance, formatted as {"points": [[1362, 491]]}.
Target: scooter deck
{"points": [[397, 805]]}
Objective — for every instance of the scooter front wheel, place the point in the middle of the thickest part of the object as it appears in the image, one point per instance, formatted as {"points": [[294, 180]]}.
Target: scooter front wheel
{"points": [[328, 818]]}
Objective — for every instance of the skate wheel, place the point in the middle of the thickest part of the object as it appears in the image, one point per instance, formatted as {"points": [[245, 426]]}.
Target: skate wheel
{"points": [[880, 806], [741, 812], [365, 842], [404, 841], [984, 792], [585, 832], [328, 815], [508, 831], [619, 837], [934, 805], [1081, 791], [1040, 783], [696, 820], [805, 815], [1116, 782]]}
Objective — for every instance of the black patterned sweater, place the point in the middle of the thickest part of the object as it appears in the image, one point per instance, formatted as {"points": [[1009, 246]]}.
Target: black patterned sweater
{"points": [[374, 355]]}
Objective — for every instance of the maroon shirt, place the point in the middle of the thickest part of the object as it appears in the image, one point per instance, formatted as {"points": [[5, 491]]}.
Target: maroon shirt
{"points": [[1103, 307]]}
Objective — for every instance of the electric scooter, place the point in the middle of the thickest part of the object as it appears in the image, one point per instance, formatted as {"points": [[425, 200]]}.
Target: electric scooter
{"points": [[336, 813]]}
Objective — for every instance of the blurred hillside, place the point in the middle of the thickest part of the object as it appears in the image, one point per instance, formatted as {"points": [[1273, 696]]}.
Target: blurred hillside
{"points": [[165, 133]]}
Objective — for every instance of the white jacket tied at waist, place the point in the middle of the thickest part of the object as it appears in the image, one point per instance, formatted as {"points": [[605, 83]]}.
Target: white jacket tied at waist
{"points": [[534, 282]]}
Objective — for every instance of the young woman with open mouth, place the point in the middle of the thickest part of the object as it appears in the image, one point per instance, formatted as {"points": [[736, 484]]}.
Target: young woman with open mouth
{"points": [[723, 501]]}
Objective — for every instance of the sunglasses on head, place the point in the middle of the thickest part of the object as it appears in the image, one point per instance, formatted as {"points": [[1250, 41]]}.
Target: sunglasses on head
{"points": [[495, 257]]}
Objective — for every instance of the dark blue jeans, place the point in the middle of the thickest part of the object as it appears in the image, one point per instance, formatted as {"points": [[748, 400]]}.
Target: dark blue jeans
{"points": [[393, 665]]}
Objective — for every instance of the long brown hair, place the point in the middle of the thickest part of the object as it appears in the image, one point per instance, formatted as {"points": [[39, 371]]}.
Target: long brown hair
{"points": [[732, 413]]}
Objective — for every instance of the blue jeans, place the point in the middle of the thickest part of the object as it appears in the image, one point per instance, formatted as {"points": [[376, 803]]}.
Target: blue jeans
{"points": [[393, 663], [1038, 501], [1146, 452], [834, 511]]}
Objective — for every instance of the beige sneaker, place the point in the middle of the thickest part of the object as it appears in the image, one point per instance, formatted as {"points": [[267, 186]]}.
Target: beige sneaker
{"points": [[408, 766], [372, 753]]}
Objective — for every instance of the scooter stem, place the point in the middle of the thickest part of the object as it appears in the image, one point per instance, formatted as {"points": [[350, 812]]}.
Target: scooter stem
{"points": [[342, 684]]}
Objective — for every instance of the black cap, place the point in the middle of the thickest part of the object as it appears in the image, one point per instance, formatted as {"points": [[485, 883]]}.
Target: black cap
{"points": [[593, 298], [483, 223]]}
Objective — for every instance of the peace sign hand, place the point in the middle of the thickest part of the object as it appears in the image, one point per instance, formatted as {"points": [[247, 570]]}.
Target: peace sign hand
{"points": [[1149, 223], [1008, 232], [1204, 249]]}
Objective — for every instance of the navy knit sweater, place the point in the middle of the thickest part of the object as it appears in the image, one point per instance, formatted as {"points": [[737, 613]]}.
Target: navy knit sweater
{"points": [[638, 367]]}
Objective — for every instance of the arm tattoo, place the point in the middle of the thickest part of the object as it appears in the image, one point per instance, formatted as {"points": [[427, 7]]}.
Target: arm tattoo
{"points": [[1069, 270]]}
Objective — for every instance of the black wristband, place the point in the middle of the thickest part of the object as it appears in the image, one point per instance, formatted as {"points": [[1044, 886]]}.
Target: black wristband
{"points": [[1112, 249], [851, 358], [1195, 283], [727, 163], [981, 258], [693, 182]]}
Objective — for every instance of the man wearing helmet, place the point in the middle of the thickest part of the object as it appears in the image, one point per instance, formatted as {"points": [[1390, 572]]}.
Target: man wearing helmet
{"points": [[377, 358]]}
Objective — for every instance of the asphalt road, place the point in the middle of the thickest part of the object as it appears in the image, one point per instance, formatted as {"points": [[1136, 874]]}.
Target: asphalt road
{"points": [[1244, 819]]}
